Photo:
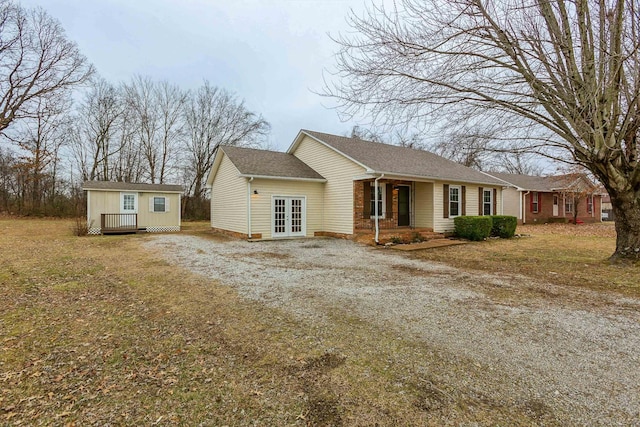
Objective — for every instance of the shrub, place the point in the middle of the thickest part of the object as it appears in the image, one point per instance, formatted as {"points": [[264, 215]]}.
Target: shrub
{"points": [[396, 240], [473, 227], [80, 226], [504, 226], [417, 237]]}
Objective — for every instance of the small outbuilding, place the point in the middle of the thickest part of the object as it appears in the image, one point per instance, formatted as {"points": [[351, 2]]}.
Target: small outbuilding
{"points": [[123, 207]]}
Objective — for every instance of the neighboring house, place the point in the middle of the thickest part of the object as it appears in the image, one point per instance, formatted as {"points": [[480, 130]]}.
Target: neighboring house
{"points": [[116, 207], [607, 207], [327, 185], [542, 199]]}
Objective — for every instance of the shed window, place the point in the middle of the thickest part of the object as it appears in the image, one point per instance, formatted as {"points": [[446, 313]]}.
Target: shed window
{"points": [[159, 204]]}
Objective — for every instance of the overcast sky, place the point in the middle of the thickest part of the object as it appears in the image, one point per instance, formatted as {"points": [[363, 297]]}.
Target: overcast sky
{"points": [[271, 53]]}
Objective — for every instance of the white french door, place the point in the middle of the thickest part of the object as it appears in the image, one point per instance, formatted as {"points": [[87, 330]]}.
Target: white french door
{"points": [[555, 205], [288, 216]]}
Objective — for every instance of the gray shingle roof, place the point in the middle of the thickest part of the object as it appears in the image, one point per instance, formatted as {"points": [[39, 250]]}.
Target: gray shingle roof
{"points": [[526, 182], [130, 186], [545, 183], [250, 161], [405, 161]]}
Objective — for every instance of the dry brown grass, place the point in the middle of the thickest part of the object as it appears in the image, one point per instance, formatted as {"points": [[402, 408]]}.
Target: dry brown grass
{"points": [[557, 253], [94, 330]]}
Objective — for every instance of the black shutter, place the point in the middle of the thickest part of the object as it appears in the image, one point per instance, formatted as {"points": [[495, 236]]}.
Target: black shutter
{"points": [[445, 201], [495, 201], [480, 201], [389, 191], [464, 200]]}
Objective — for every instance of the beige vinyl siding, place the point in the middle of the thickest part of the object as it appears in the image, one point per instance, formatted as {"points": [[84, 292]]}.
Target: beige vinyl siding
{"points": [[229, 198], [102, 202], [511, 202], [148, 218], [473, 200], [338, 190], [471, 203], [110, 202], [440, 224], [261, 208], [424, 210]]}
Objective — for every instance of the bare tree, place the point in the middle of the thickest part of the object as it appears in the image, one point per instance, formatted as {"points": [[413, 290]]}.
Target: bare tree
{"points": [[563, 76], [98, 131], [157, 109], [37, 61], [519, 163], [213, 117]]}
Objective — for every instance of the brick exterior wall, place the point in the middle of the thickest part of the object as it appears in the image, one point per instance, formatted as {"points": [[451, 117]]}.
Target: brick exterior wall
{"points": [[387, 223], [545, 213]]}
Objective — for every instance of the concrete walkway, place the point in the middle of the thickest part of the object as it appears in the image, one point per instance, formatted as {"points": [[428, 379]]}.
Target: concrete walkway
{"points": [[435, 243]]}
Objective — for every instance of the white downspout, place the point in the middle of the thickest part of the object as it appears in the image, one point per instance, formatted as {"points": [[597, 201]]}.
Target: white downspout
{"points": [[522, 208], [376, 213], [249, 207]]}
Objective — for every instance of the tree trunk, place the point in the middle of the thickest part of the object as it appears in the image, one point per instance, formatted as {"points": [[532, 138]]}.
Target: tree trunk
{"points": [[626, 210]]}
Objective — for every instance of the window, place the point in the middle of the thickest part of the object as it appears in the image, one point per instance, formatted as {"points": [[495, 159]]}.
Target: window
{"points": [[487, 202], [535, 203], [128, 202], [568, 204], [381, 201], [454, 200], [590, 204], [159, 204]]}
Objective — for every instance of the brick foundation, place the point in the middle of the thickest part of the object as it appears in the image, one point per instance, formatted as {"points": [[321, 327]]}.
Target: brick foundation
{"points": [[334, 235], [236, 235]]}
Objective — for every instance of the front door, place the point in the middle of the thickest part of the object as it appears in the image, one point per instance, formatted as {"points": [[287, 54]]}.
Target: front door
{"points": [[288, 217], [555, 205], [404, 216], [128, 206]]}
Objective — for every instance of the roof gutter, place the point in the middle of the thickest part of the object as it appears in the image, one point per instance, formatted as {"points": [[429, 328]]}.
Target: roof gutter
{"points": [[377, 214]]}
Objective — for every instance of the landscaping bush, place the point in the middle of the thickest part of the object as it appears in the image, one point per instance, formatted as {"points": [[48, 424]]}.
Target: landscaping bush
{"points": [[473, 227], [504, 226]]}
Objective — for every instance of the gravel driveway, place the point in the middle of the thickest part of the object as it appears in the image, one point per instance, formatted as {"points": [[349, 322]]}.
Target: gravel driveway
{"points": [[574, 349]]}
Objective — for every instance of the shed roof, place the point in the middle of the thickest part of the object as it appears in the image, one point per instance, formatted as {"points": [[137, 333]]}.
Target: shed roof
{"points": [[396, 160], [130, 186], [265, 163]]}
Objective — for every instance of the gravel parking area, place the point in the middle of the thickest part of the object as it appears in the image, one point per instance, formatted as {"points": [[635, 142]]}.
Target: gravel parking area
{"points": [[574, 351]]}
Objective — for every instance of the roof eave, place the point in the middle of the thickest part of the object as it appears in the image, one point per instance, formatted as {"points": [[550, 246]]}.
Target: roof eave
{"points": [[285, 178], [431, 178]]}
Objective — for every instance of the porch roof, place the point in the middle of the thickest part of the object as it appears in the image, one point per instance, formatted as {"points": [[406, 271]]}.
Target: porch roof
{"points": [[401, 161]]}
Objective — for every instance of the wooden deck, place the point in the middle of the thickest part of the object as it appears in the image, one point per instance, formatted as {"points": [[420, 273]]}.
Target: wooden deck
{"points": [[118, 223]]}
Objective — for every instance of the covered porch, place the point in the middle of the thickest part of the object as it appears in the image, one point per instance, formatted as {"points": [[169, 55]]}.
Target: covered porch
{"points": [[403, 209]]}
